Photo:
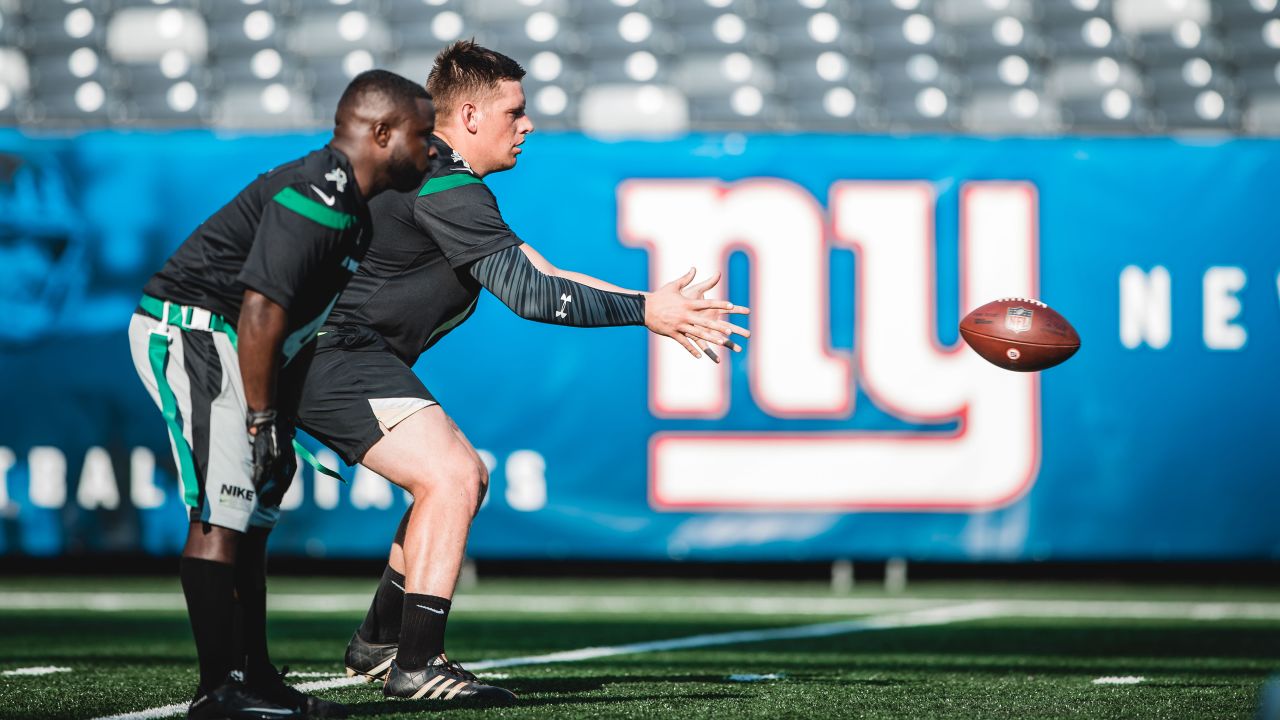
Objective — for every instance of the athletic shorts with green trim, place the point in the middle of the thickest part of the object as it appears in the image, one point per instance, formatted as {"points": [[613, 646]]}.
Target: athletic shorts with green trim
{"points": [[193, 376]]}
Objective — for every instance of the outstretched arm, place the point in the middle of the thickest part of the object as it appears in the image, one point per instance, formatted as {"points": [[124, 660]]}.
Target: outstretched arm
{"points": [[545, 266], [693, 292], [512, 277]]}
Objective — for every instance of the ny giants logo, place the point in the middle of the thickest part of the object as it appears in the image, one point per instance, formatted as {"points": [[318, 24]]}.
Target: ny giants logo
{"points": [[991, 457]]}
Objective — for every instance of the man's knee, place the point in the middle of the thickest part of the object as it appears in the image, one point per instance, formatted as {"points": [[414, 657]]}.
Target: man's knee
{"points": [[465, 479]]}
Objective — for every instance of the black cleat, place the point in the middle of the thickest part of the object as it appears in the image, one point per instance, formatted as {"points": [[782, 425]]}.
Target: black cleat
{"points": [[369, 660], [273, 687], [442, 680], [233, 700]]}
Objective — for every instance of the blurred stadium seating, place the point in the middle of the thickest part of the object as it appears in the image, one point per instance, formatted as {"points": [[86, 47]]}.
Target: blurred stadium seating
{"points": [[662, 66]]}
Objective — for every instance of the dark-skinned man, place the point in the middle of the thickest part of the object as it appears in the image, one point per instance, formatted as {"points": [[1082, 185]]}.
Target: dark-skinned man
{"points": [[233, 305]]}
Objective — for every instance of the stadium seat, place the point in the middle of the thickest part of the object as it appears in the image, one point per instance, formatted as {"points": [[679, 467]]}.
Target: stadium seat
{"points": [[62, 72], [140, 34], [88, 103], [329, 76], [15, 80], [819, 70], [1092, 77], [248, 29], [265, 105], [805, 34], [726, 31], [633, 31], [1003, 73], [835, 108], [413, 65], [637, 66], [712, 74], [1262, 116], [1207, 109], [914, 33], [551, 105], [261, 64], [329, 34], [1259, 78], [744, 108], [78, 28], [1011, 110], [982, 13], [608, 12], [633, 109], [903, 79], [1000, 37]]}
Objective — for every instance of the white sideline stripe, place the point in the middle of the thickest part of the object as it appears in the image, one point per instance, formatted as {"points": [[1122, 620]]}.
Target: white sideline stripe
{"points": [[623, 604], [934, 616], [1119, 680], [43, 670]]}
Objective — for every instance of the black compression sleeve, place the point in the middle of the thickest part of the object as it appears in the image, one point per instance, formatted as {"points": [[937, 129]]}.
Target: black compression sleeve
{"points": [[514, 280]]}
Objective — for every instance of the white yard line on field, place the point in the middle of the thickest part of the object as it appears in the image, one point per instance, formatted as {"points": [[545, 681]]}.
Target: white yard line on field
{"points": [[43, 670], [1119, 680], [916, 618]]}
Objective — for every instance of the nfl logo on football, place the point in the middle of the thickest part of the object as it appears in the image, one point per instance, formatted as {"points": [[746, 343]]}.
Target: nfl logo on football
{"points": [[1018, 319]]}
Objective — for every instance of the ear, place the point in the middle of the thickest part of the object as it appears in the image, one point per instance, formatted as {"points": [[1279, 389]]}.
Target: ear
{"points": [[381, 134], [470, 115]]}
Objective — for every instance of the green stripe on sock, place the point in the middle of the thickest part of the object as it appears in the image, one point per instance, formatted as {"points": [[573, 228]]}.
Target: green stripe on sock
{"points": [[313, 210], [448, 182]]}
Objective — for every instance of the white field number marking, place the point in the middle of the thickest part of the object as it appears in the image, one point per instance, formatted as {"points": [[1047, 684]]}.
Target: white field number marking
{"points": [[1119, 680], [47, 670], [752, 677]]}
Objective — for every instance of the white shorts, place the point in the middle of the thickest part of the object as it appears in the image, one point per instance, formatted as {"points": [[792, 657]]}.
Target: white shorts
{"points": [[193, 375]]}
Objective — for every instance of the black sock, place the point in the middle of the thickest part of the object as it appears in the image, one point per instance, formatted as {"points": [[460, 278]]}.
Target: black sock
{"points": [[382, 622], [422, 636], [209, 589], [251, 592]]}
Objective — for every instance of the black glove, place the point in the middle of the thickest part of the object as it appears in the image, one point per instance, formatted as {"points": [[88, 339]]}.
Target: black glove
{"points": [[273, 460]]}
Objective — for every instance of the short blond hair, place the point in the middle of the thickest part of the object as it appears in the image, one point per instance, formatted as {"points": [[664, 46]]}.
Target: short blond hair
{"points": [[466, 71]]}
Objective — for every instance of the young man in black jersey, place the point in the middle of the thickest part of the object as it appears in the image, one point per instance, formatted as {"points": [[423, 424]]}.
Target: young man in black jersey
{"points": [[241, 297], [434, 249]]}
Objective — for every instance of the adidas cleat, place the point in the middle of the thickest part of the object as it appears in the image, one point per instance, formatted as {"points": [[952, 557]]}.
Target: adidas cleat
{"points": [[442, 679], [275, 689], [369, 660], [233, 700]]}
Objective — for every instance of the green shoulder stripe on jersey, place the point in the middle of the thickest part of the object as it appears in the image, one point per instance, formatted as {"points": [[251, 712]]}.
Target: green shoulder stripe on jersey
{"points": [[448, 182], [313, 210]]}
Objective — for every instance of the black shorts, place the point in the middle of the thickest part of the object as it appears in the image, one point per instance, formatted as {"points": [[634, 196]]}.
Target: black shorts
{"points": [[350, 398]]}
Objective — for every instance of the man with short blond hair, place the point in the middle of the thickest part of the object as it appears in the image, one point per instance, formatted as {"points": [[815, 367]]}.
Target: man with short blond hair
{"points": [[433, 250]]}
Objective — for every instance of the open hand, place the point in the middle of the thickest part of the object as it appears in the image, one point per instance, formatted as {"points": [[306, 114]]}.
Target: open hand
{"points": [[679, 311]]}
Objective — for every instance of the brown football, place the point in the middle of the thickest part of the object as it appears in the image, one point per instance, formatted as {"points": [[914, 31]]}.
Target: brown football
{"points": [[1019, 334]]}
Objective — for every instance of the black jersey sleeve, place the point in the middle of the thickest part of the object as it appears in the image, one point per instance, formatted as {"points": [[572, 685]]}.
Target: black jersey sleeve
{"points": [[534, 295], [461, 214], [296, 235]]}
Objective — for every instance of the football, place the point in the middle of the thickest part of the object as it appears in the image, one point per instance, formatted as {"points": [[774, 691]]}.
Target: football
{"points": [[1019, 334]]}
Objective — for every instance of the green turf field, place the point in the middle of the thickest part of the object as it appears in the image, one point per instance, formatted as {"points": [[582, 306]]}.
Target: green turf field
{"points": [[938, 651]]}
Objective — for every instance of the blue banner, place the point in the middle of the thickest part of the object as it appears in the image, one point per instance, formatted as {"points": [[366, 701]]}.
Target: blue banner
{"points": [[854, 425]]}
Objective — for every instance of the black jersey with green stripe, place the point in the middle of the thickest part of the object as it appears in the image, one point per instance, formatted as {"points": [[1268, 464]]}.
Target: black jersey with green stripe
{"points": [[296, 234], [413, 286]]}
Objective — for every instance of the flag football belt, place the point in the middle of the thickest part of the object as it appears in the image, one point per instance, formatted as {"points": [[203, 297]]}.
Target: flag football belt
{"points": [[189, 317]]}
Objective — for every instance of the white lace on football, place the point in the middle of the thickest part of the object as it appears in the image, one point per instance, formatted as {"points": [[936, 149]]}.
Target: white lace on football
{"points": [[1025, 300]]}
